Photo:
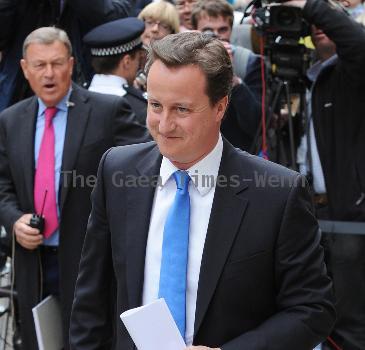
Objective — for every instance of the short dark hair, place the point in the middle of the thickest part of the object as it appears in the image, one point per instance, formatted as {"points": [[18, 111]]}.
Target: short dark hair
{"points": [[213, 8], [201, 50], [107, 64]]}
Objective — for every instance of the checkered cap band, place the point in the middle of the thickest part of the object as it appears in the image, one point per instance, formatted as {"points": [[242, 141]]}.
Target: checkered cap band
{"points": [[116, 50]]}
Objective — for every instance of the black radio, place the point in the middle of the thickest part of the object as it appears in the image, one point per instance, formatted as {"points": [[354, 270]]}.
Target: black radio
{"points": [[37, 220]]}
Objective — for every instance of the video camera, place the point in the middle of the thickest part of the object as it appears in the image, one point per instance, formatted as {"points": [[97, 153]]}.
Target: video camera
{"points": [[287, 59], [283, 27]]}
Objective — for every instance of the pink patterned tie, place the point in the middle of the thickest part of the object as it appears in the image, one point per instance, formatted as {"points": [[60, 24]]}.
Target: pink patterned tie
{"points": [[45, 176]]}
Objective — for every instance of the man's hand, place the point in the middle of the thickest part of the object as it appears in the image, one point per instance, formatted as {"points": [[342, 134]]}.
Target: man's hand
{"points": [[201, 348], [28, 237]]}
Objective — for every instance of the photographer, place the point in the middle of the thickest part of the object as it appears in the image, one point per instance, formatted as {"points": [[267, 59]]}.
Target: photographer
{"points": [[217, 16], [335, 142]]}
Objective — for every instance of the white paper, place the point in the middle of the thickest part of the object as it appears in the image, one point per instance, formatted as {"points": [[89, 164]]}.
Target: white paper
{"points": [[48, 324], [152, 327]]}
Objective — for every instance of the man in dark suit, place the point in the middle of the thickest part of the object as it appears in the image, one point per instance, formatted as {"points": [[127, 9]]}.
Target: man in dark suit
{"points": [[60, 173], [233, 237], [70, 15]]}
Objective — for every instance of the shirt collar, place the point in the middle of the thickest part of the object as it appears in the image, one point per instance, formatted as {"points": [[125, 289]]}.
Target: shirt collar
{"points": [[315, 69], [62, 105], [109, 80], [207, 167]]}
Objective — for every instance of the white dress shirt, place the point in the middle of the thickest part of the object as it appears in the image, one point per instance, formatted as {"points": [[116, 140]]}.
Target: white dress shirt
{"points": [[201, 193], [108, 84]]}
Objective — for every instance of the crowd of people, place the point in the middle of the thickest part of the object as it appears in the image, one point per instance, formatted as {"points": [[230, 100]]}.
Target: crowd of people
{"points": [[124, 111]]}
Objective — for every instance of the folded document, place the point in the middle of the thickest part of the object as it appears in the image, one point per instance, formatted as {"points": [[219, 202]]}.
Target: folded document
{"points": [[48, 324], [152, 327]]}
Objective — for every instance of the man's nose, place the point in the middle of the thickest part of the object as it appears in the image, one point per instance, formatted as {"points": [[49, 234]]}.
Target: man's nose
{"points": [[49, 70], [167, 123], [215, 31]]}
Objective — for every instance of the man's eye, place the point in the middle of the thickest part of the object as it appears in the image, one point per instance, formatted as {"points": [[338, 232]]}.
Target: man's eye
{"points": [[182, 110], [39, 65], [155, 105]]}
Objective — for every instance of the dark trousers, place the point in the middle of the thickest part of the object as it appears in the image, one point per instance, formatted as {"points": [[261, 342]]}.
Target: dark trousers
{"points": [[50, 271], [345, 260]]}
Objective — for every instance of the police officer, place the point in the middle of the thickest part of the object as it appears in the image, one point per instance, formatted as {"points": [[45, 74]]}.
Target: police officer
{"points": [[117, 56]]}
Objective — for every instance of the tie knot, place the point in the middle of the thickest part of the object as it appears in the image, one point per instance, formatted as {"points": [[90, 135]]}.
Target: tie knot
{"points": [[50, 112], [182, 179]]}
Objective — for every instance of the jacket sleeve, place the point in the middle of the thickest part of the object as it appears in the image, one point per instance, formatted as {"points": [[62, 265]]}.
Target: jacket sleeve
{"points": [[304, 301], [246, 109], [92, 327], [126, 130], [253, 76], [9, 205], [97, 12], [8, 9], [348, 36]]}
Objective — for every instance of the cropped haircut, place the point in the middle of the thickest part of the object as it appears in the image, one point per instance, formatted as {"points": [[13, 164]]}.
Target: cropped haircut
{"points": [[47, 36], [200, 50], [212, 8]]}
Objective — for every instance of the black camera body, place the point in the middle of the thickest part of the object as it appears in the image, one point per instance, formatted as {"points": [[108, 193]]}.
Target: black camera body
{"points": [[283, 27], [281, 20], [37, 221]]}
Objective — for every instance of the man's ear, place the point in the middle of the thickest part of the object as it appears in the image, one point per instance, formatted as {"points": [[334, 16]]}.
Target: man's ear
{"points": [[71, 62], [127, 60], [24, 65], [124, 63], [221, 108]]}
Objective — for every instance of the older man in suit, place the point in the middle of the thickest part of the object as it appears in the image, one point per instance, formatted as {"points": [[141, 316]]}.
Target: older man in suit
{"points": [[228, 239], [50, 146]]}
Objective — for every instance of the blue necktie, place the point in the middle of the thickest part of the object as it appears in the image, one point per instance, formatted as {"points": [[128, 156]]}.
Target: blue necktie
{"points": [[175, 252]]}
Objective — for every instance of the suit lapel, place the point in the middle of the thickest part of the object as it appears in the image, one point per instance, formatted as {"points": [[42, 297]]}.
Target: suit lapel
{"points": [[77, 118], [26, 135], [225, 219], [140, 200]]}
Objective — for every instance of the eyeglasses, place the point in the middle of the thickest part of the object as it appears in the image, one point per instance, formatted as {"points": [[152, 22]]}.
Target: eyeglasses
{"points": [[151, 23], [180, 4]]}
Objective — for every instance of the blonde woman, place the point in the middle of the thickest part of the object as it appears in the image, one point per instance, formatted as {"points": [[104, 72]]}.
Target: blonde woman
{"points": [[160, 19]]}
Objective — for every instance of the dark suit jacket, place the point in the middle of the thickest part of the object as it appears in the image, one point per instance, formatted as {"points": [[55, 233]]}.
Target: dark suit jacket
{"points": [[138, 103], [242, 118], [262, 284], [95, 123]]}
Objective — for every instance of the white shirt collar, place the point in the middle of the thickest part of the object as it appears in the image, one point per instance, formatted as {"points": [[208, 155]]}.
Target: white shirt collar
{"points": [[109, 80], [208, 167]]}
